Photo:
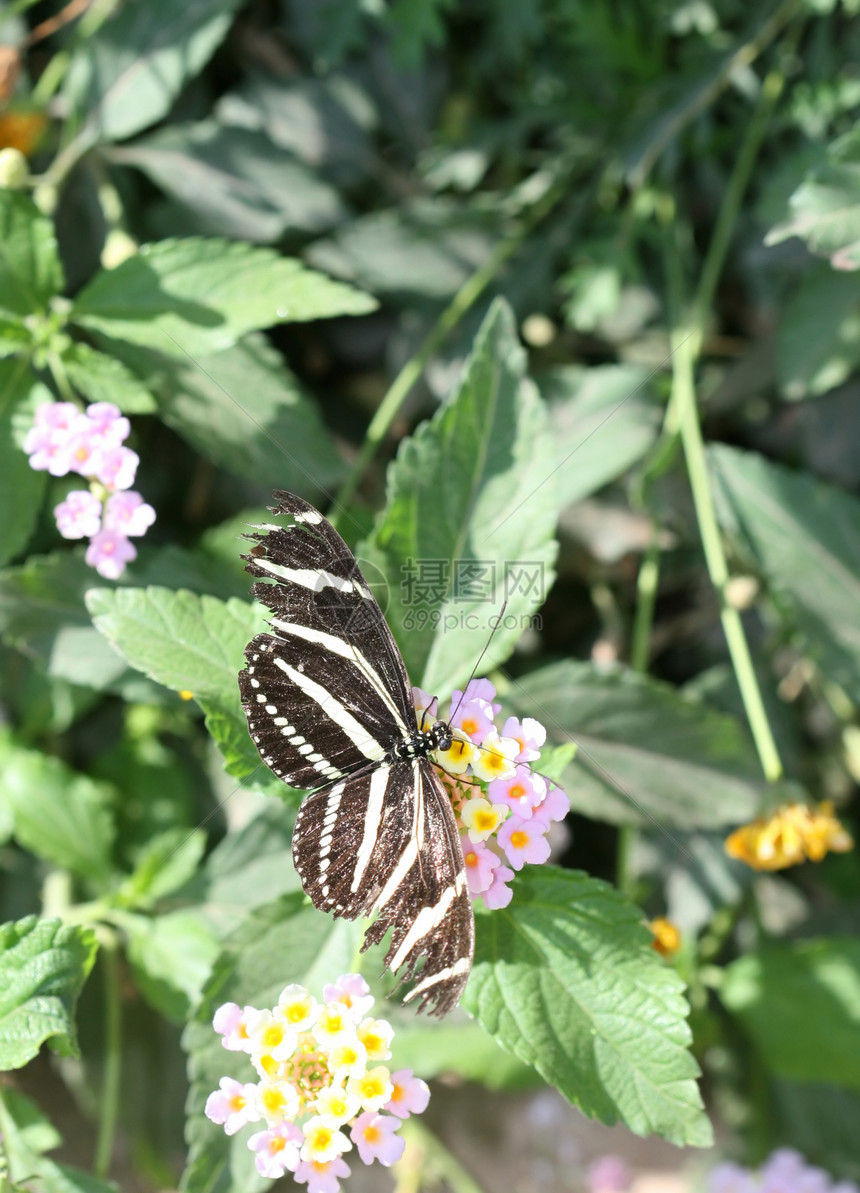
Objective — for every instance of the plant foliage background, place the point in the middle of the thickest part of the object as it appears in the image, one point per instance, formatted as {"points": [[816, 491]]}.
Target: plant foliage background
{"points": [[551, 283]]}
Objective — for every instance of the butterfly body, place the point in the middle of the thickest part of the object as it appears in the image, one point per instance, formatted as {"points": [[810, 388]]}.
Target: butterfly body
{"points": [[330, 710]]}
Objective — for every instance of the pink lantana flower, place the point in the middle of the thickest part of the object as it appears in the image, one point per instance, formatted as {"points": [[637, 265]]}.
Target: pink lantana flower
{"points": [[523, 841], [375, 1136], [65, 439], [522, 792], [481, 689], [128, 513], [353, 991], [530, 734], [490, 786], [555, 805], [499, 893], [411, 1094], [609, 1174], [276, 1150], [480, 864], [322, 1178], [107, 425], [231, 1022], [232, 1105], [473, 717], [109, 552], [79, 516], [117, 467]]}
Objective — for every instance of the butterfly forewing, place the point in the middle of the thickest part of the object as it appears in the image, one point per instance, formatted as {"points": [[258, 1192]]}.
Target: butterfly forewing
{"points": [[327, 700]]}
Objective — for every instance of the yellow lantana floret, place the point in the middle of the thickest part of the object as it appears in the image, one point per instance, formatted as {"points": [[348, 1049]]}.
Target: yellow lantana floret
{"points": [[277, 1100], [792, 834], [374, 1089], [297, 1007], [336, 1105], [323, 1142], [481, 818], [376, 1036], [460, 756], [494, 758]]}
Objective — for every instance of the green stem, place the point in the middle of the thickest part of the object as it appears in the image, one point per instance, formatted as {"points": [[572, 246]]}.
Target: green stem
{"points": [[684, 396], [109, 1101], [741, 58], [61, 380], [647, 583], [465, 298], [683, 416], [646, 591], [730, 207]]}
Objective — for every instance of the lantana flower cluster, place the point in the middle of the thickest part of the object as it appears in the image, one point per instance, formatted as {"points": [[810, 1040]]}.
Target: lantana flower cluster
{"points": [[784, 1171], [792, 834], [504, 809], [323, 1089], [109, 513]]}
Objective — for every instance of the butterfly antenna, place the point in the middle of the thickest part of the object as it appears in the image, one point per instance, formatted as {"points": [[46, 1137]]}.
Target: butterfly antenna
{"points": [[480, 658]]}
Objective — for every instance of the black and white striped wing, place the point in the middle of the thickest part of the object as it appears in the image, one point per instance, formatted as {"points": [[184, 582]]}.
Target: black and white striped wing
{"points": [[327, 698], [386, 841], [326, 692]]}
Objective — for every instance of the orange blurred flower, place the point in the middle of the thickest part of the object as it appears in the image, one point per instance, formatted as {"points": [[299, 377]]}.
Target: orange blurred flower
{"points": [[794, 833], [21, 130], [667, 937]]}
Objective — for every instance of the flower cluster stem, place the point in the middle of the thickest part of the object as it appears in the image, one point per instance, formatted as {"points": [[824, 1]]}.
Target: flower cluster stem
{"points": [[684, 396], [110, 1092], [683, 416]]}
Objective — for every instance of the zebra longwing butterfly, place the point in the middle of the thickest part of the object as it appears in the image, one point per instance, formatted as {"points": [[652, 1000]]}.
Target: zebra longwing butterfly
{"points": [[330, 710]]}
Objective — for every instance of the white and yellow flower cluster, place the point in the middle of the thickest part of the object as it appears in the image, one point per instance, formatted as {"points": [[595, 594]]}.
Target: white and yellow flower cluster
{"points": [[320, 1074]]}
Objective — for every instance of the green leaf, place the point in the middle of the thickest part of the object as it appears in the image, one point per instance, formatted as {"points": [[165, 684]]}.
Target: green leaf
{"points": [[127, 75], [33, 1129], [60, 816], [804, 535], [284, 942], [566, 979], [646, 754], [237, 182], [416, 24], [324, 122], [602, 421], [186, 642], [424, 250], [247, 869], [15, 338], [825, 208], [43, 965], [801, 1006], [818, 339], [26, 1135], [245, 411], [30, 270], [21, 487], [103, 378], [197, 296], [820, 1121], [468, 518], [464, 1048], [172, 955], [42, 614], [164, 864]]}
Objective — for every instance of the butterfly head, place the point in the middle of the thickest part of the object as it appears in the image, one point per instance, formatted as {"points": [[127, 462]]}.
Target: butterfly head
{"points": [[424, 742]]}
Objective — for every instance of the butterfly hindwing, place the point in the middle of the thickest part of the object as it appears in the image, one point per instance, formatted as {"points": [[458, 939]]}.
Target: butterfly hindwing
{"points": [[385, 841], [328, 705]]}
